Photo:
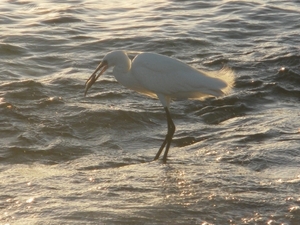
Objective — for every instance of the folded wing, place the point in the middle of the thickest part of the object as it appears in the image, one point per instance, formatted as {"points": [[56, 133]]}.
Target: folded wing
{"points": [[163, 75]]}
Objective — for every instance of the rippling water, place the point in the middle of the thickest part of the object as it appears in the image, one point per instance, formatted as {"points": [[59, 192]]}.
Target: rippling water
{"points": [[70, 159]]}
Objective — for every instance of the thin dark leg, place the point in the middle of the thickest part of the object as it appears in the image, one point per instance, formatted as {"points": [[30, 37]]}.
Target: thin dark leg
{"points": [[168, 138], [161, 148]]}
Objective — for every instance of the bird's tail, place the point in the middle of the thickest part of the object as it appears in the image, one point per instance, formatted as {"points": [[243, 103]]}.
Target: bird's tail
{"points": [[227, 75]]}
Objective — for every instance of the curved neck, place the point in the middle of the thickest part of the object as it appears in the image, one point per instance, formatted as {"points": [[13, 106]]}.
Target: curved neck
{"points": [[122, 73], [123, 66]]}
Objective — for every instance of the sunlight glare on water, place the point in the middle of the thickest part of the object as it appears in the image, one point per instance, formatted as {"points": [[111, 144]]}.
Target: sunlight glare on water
{"points": [[70, 159]]}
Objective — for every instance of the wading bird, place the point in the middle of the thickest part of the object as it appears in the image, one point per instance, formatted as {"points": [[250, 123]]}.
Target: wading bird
{"points": [[163, 77]]}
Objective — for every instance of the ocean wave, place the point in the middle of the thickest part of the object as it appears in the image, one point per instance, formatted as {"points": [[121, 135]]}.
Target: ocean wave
{"points": [[62, 19], [12, 49], [288, 75]]}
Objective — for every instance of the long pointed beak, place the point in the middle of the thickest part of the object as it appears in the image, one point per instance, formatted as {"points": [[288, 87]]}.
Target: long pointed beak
{"points": [[94, 76]]}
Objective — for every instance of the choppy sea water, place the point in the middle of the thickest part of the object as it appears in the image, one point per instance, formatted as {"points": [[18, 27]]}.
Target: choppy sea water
{"points": [[70, 159]]}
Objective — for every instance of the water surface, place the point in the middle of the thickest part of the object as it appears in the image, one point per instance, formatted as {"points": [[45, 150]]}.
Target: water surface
{"points": [[70, 159]]}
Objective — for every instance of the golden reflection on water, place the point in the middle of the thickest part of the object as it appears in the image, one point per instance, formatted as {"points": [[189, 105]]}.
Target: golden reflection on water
{"points": [[178, 188]]}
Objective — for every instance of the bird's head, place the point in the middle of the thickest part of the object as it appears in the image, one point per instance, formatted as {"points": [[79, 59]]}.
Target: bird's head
{"points": [[111, 59]]}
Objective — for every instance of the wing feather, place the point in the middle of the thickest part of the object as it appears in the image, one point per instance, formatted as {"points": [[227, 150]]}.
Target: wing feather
{"points": [[171, 77]]}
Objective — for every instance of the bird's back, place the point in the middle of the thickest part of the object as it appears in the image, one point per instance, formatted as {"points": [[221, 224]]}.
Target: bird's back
{"points": [[171, 77]]}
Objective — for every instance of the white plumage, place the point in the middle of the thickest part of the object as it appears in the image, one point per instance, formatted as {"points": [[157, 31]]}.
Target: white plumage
{"points": [[163, 77]]}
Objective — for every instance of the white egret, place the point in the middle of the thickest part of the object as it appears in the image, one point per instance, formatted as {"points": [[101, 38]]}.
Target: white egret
{"points": [[160, 76]]}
